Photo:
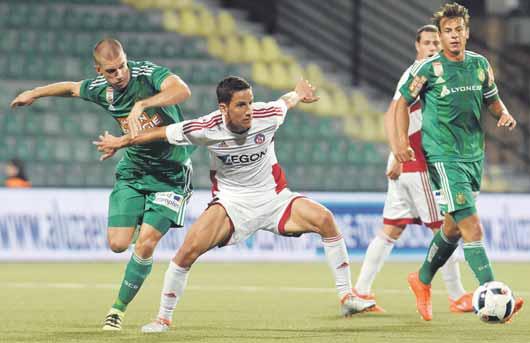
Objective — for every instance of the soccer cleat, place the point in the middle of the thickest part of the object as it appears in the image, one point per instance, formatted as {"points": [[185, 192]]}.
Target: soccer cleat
{"points": [[462, 304], [376, 308], [113, 320], [157, 326], [351, 304], [423, 296]]}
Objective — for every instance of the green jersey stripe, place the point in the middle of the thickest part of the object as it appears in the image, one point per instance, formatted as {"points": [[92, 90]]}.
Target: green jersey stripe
{"points": [[446, 188]]}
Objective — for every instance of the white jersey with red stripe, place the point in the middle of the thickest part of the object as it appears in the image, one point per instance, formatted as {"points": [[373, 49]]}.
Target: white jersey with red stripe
{"points": [[415, 119], [410, 199], [241, 164]]}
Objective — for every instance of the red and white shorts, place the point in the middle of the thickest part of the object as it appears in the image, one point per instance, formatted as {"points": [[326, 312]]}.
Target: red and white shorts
{"points": [[410, 200], [248, 214]]}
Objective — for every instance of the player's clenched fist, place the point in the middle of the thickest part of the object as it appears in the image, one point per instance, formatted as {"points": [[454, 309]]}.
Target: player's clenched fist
{"points": [[23, 99]]}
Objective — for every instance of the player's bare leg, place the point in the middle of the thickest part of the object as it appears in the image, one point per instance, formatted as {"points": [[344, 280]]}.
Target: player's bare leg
{"points": [[378, 250], [309, 216], [136, 272], [211, 229], [119, 238]]}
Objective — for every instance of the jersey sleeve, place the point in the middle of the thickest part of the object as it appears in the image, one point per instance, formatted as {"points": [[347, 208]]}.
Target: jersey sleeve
{"points": [[273, 112], [416, 82], [195, 132], [89, 89], [490, 93], [404, 77], [156, 74]]}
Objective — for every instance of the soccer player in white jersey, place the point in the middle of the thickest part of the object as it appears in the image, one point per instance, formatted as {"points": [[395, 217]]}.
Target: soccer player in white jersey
{"points": [[410, 199], [249, 188]]}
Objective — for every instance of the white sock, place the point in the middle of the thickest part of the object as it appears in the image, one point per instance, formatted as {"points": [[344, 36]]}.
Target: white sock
{"points": [[378, 250], [339, 262], [174, 283], [451, 277]]}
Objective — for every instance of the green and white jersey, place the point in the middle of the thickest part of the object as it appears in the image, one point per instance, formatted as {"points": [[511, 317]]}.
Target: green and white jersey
{"points": [[452, 96], [146, 80]]}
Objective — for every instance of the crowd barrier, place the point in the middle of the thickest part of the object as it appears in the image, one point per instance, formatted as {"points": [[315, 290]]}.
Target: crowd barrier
{"points": [[70, 225]]}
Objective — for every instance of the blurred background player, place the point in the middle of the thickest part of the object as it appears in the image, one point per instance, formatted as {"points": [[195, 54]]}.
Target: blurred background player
{"points": [[153, 182], [453, 85], [249, 188], [410, 199], [16, 175]]}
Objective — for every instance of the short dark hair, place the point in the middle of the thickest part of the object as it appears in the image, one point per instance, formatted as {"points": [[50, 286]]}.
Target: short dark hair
{"points": [[454, 10], [228, 86], [425, 28]]}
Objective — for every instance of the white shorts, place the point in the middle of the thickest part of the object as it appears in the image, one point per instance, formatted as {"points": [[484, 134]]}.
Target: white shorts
{"points": [[269, 212], [410, 200]]}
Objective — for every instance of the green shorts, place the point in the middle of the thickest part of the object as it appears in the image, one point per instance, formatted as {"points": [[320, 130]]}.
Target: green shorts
{"points": [[458, 184], [130, 206]]}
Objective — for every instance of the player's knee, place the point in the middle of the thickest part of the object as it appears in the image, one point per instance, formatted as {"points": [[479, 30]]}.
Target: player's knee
{"points": [[118, 245], [326, 223], [145, 248], [188, 254], [475, 232], [393, 231]]}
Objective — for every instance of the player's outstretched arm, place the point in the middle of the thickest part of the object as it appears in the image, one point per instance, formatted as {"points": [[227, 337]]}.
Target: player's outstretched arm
{"points": [[172, 91], [109, 142], [66, 88], [505, 118], [403, 152], [303, 92]]}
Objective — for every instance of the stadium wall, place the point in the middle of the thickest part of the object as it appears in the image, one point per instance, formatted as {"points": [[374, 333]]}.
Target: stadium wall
{"points": [[70, 225]]}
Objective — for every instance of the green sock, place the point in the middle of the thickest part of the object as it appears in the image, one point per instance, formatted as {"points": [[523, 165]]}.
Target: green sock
{"points": [[440, 250], [478, 261], [135, 274]]}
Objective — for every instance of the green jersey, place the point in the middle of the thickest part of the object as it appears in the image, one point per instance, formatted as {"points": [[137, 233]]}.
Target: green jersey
{"points": [[452, 95], [159, 158]]}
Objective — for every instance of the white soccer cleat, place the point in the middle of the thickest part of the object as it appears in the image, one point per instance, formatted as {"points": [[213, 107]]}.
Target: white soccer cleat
{"points": [[113, 320], [159, 325], [351, 304]]}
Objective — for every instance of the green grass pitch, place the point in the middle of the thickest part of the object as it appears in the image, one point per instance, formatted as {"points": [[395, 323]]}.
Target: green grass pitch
{"points": [[240, 302]]}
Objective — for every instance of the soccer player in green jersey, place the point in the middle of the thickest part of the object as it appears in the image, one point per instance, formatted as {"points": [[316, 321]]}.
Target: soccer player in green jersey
{"points": [[453, 85], [153, 182]]}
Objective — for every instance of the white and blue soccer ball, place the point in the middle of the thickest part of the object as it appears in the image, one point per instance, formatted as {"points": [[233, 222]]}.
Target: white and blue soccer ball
{"points": [[493, 302]]}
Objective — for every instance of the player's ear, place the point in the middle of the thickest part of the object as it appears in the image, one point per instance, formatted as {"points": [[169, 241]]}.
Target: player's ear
{"points": [[223, 108], [467, 32]]}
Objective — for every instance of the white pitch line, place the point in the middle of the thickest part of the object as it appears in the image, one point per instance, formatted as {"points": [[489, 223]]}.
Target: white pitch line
{"points": [[247, 289]]}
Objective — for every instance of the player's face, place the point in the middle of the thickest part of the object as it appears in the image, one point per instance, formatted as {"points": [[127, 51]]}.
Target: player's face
{"points": [[115, 71], [428, 45], [238, 113], [454, 35]]}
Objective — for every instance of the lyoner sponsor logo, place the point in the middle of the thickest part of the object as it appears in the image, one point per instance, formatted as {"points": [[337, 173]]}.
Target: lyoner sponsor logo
{"points": [[451, 90]]}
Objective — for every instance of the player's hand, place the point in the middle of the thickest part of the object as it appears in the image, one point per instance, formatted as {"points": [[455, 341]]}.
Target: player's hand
{"points": [[395, 170], [405, 154], [107, 145], [107, 154], [134, 119], [506, 120], [306, 91], [24, 99]]}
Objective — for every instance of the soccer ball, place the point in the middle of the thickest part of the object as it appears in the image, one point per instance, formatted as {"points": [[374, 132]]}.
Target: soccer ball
{"points": [[493, 302]]}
